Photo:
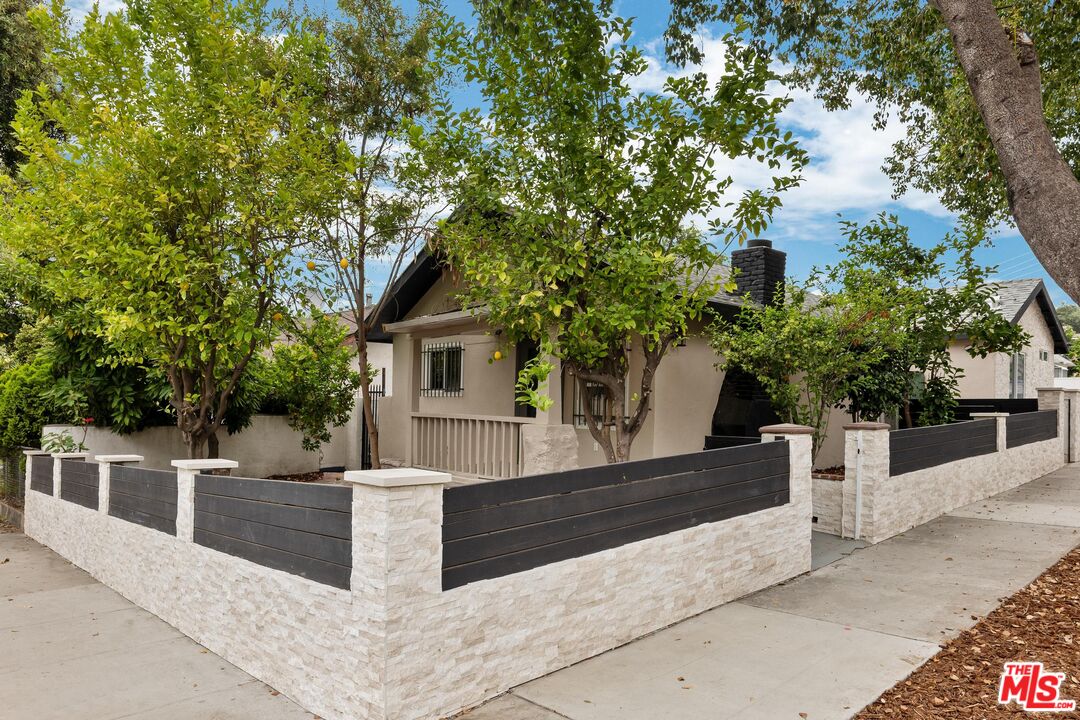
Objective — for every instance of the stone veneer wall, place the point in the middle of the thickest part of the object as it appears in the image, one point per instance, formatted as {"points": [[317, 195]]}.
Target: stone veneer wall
{"points": [[397, 646], [828, 505], [893, 504]]}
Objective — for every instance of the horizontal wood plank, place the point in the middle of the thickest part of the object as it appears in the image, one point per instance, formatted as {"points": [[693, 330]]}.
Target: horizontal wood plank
{"points": [[319, 497], [322, 522], [41, 474], [512, 540], [899, 465], [499, 492], [534, 510], [163, 478], [142, 504], [153, 522], [318, 547], [322, 572], [536, 557], [140, 487], [918, 437]]}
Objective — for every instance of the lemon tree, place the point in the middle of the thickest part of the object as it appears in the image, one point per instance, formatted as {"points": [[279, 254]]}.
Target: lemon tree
{"points": [[167, 185], [575, 192]]}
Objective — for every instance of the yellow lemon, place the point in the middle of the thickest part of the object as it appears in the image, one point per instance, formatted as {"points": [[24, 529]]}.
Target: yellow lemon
{"points": [[311, 265], [497, 355], [277, 317], [344, 263]]}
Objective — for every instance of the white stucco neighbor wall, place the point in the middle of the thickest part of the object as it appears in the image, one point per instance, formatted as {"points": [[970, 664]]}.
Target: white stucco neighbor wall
{"points": [[399, 647], [267, 447]]}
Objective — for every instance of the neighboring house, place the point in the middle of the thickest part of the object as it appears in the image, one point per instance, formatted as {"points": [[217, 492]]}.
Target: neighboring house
{"points": [[454, 403], [1019, 375], [380, 352]]}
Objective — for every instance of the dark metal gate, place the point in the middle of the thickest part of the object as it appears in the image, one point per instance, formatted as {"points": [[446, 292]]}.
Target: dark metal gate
{"points": [[376, 391]]}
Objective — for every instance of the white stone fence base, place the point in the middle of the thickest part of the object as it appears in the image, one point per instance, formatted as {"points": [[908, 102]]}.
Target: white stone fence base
{"points": [[872, 504], [396, 645]]}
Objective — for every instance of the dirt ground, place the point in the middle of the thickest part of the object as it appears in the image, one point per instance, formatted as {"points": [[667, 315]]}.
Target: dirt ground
{"points": [[1041, 622]]}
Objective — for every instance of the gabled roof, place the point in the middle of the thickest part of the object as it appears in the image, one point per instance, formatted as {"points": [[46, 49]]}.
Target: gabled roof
{"points": [[1014, 297], [426, 269]]}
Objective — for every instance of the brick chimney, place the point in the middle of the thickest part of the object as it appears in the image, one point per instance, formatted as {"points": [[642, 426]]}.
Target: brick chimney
{"points": [[761, 270]]}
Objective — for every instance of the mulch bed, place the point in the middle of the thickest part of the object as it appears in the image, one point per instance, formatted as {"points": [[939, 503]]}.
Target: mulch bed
{"points": [[832, 473], [1040, 622]]}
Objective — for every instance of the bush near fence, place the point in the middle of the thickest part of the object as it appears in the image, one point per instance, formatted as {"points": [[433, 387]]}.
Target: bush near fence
{"points": [[350, 601]]}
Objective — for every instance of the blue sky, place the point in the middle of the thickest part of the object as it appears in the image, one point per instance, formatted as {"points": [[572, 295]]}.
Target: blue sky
{"points": [[844, 176]]}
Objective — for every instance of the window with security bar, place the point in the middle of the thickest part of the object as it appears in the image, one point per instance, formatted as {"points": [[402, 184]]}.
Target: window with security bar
{"points": [[597, 399], [440, 370]]}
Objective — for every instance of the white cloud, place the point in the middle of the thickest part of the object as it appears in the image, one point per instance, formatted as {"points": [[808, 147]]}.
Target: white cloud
{"points": [[846, 153]]}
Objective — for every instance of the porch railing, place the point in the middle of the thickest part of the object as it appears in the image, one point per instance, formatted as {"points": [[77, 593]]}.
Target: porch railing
{"points": [[485, 446]]}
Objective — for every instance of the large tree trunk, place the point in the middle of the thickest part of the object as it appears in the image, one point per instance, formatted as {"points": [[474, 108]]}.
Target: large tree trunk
{"points": [[1003, 74]]}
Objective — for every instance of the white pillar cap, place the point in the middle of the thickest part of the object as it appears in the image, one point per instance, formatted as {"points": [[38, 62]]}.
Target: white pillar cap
{"points": [[396, 477], [205, 464], [118, 458], [989, 414], [71, 455], [34, 453]]}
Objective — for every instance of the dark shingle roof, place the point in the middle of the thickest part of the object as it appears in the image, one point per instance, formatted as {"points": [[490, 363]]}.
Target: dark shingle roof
{"points": [[1013, 298]]}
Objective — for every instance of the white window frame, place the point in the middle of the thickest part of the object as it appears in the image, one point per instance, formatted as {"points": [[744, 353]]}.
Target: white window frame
{"points": [[1017, 375]]}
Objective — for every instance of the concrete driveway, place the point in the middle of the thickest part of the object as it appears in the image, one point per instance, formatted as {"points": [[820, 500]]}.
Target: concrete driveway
{"points": [[823, 645], [72, 649]]}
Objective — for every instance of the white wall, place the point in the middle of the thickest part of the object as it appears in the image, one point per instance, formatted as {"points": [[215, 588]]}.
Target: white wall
{"points": [[267, 447]]}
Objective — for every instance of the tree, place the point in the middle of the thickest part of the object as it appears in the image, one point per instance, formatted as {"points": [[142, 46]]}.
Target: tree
{"points": [[380, 203], [926, 298], [988, 91], [878, 331], [312, 378], [179, 189], [1069, 315], [573, 192], [22, 68], [804, 355]]}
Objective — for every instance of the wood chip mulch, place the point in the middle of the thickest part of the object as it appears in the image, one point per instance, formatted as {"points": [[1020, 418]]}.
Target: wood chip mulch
{"points": [[1040, 622]]}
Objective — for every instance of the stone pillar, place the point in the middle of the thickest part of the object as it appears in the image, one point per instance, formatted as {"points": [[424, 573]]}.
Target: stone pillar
{"points": [[105, 462], [397, 561], [866, 466], [186, 470], [58, 462], [30, 455], [1054, 398], [800, 439], [1000, 417], [27, 527], [548, 448]]}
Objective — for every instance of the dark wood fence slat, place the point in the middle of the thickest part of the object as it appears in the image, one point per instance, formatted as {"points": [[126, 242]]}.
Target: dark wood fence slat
{"points": [[324, 522], [41, 474], [917, 437], [716, 442], [551, 507], [1026, 428], [922, 462], [318, 497], [323, 572], [153, 522], [921, 448], [472, 497], [161, 478], [143, 504], [535, 557], [143, 488], [319, 547], [480, 547]]}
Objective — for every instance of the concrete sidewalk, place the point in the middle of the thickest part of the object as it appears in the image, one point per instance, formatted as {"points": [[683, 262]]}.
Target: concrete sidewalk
{"points": [[823, 645], [72, 649]]}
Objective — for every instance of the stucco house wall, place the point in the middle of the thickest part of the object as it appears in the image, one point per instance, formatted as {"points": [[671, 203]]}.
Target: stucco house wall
{"points": [[989, 377]]}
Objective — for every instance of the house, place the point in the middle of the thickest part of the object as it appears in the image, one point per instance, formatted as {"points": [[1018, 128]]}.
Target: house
{"points": [[454, 406], [1026, 303]]}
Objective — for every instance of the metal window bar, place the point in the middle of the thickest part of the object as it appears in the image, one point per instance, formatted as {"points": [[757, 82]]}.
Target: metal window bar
{"points": [[376, 391], [440, 370]]}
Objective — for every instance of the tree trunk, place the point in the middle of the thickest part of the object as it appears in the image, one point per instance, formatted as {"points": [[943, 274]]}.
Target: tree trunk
{"points": [[212, 447], [1002, 72]]}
